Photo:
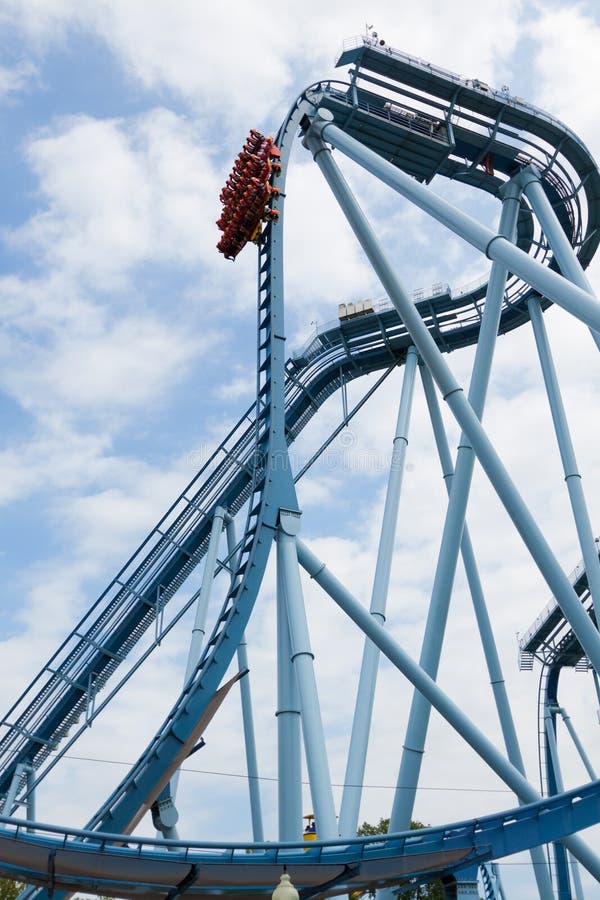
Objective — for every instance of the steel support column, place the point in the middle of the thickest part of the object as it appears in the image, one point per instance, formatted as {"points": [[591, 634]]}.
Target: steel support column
{"points": [[302, 658], [567, 453], [496, 676], [578, 745], [499, 885], [165, 813], [556, 780], [570, 266], [466, 417], [247, 715], [548, 283], [436, 696], [596, 681], [459, 489], [208, 575], [359, 739], [289, 765], [11, 803]]}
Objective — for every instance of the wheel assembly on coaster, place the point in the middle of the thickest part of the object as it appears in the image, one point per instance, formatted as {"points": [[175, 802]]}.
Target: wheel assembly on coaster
{"points": [[404, 121]]}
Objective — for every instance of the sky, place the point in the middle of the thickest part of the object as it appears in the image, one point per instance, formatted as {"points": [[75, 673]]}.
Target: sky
{"points": [[127, 350]]}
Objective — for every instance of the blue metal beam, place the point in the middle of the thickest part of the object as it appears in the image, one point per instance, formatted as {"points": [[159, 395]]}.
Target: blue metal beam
{"points": [[94, 861], [438, 698], [547, 282], [365, 694], [302, 659], [451, 390], [460, 485]]}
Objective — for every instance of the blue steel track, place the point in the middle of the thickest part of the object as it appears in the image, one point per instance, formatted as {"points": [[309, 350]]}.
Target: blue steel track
{"points": [[242, 470], [90, 861]]}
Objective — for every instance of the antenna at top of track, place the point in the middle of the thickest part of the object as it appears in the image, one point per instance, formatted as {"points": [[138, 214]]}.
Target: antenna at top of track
{"points": [[405, 121]]}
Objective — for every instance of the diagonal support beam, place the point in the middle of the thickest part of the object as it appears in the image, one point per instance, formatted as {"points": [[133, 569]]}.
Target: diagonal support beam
{"points": [[247, 714], [577, 742], [302, 659], [561, 856], [570, 266], [436, 696], [571, 297], [463, 412], [505, 717], [361, 723], [573, 478], [454, 524]]}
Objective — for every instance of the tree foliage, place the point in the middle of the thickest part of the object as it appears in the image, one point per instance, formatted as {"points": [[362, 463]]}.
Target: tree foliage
{"points": [[9, 890], [432, 891]]}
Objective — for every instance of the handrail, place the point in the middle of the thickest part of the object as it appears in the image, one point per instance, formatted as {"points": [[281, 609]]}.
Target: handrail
{"points": [[552, 605], [133, 591], [233, 475], [31, 849], [31, 830]]}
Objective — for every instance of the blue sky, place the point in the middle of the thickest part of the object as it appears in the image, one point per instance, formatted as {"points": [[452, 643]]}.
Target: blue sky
{"points": [[127, 351]]}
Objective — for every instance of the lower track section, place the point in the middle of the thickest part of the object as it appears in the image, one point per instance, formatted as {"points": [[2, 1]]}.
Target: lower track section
{"points": [[64, 860]]}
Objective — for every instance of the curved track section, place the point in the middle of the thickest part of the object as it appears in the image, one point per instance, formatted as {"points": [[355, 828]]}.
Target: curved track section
{"points": [[472, 128], [551, 640], [58, 859], [463, 129], [174, 741], [66, 689]]}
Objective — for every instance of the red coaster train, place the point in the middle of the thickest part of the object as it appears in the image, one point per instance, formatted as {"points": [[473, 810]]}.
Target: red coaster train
{"points": [[247, 194]]}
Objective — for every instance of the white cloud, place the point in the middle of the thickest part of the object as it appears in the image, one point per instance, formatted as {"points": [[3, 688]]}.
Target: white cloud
{"points": [[119, 194], [241, 387], [80, 341], [119, 367], [56, 457], [16, 79], [130, 497], [221, 58], [566, 41], [48, 306], [316, 233], [43, 21], [87, 347]]}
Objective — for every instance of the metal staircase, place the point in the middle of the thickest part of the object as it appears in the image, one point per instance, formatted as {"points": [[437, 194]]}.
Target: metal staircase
{"points": [[492, 890]]}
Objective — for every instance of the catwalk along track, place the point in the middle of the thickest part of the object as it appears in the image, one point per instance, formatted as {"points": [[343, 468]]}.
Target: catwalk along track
{"points": [[406, 121]]}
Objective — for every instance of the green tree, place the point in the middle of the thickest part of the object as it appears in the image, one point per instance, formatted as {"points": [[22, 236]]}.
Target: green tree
{"points": [[10, 890], [432, 891]]}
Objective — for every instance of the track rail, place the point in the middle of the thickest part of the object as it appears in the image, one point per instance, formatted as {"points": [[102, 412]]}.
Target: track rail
{"points": [[239, 471], [62, 859], [66, 688]]}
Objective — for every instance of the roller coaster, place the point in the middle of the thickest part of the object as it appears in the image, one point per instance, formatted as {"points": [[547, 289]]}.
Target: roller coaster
{"points": [[405, 121]]}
